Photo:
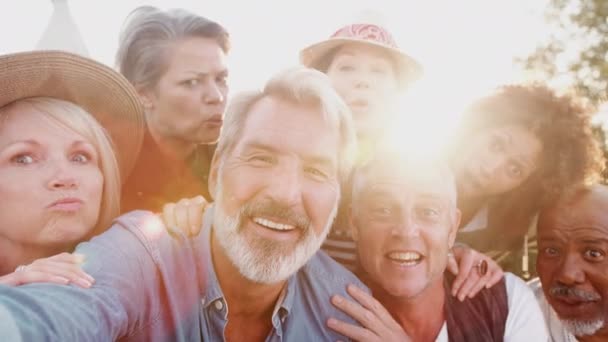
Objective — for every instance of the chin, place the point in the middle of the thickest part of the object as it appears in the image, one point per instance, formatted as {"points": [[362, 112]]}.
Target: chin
{"points": [[402, 290]]}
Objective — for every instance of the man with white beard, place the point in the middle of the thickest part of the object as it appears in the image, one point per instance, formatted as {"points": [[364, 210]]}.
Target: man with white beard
{"points": [[254, 273], [573, 266]]}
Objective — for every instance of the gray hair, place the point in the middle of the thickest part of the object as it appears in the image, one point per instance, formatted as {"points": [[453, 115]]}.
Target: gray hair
{"points": [[299, 85], [147, 36]]}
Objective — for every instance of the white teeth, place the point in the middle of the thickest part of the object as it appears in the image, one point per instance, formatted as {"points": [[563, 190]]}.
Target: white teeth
{"points": [[405, 257], [272, 225]]}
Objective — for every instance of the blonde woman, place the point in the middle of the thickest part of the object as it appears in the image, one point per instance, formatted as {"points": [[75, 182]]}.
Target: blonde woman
{"points": [[59, 176]]}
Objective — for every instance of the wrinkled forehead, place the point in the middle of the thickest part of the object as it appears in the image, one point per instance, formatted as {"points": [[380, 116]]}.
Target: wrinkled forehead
{"points": [[585, 209], [430, 178]]}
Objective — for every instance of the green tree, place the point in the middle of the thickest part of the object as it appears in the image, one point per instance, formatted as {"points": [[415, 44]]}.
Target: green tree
{"points": [[577, 49]]}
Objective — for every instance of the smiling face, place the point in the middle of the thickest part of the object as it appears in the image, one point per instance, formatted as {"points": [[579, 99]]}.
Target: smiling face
{"points": [[497, 160], [276, 190], [404, 223], [365, 78], [53, 172], [573, 260], [189, 100]]}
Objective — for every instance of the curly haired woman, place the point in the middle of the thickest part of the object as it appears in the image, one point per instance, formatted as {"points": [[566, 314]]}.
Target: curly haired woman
{"points": [[517, 149]]}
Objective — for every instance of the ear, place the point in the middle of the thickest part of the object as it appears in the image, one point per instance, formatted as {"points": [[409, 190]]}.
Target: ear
{"points": [[213, 174], [146, 97], [351, 222], [455, 223]]}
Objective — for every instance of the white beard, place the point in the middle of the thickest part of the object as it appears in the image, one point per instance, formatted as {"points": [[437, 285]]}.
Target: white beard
{"points": [[583, 328], [261, 260]]}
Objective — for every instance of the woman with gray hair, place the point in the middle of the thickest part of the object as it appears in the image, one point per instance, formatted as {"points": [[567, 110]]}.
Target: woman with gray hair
{"points": [[177, 62]]}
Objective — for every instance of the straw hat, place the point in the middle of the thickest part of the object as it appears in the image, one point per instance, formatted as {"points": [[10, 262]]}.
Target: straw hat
{"points": [[408, 69], [96, 88]]}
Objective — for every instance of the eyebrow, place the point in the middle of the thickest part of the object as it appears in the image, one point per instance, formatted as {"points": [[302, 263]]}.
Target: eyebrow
{"points": [[315, 159], [201, 74]]}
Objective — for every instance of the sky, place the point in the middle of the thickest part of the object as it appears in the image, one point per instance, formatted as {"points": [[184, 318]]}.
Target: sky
{"points": [[467, 47]]}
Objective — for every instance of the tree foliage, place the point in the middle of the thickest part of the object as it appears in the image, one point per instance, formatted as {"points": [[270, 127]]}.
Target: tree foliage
{"points": [[577, 48]]}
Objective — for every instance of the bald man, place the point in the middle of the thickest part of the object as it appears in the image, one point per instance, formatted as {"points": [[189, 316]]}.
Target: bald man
{"points": [[573, 266]]}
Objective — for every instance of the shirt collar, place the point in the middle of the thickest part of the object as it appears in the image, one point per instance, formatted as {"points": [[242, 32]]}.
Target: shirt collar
{"points": [[213, 291]]}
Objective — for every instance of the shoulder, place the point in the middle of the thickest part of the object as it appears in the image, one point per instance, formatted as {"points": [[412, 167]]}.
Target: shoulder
{"points": [[319, 280], [136, 235], [335, 276], [525, 318], [518, 291]]}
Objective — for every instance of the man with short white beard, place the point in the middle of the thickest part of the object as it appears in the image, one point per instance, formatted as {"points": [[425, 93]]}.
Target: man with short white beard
{"points": [[253, 274], [573, 266]]}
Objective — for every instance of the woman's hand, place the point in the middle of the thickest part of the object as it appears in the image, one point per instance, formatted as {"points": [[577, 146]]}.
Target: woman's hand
{"points": [[62, 269], [377, 324], [468, 266], [185, 216]]}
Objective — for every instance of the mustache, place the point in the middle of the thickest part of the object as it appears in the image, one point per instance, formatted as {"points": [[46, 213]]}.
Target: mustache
{"points": [[276, 210], [570, 292]]}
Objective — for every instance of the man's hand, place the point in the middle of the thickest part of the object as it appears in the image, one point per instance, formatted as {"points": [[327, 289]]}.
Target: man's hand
{"points": [[62, 269], [377, 323], [186, 215], [464, 263]]}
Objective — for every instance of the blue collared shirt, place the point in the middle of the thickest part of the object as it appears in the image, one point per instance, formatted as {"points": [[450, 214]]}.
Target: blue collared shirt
{"points": [[151, 286]]}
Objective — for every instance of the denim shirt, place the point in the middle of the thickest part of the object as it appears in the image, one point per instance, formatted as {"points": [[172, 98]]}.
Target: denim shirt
{"points": [[152, 286]]}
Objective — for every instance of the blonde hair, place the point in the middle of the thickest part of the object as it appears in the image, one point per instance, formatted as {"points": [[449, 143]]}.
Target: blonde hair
{"points": [[73, 117], [298, 85]]}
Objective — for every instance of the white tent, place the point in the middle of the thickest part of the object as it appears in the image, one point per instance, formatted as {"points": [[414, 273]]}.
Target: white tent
{"points": [[61, 32]]}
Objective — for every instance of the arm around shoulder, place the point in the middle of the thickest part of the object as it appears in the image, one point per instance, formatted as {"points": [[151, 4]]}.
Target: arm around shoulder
{"points": [[117, 305]]}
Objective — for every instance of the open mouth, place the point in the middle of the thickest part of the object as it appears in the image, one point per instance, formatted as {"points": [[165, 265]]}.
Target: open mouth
{"points": [[407, 258], [276, 226]]}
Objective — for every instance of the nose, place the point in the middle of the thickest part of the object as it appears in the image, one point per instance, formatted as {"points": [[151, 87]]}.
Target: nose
{"points": [[570, 271], [406, 227], [213, 94], [285, 186], [62, 177], [361, 80]]}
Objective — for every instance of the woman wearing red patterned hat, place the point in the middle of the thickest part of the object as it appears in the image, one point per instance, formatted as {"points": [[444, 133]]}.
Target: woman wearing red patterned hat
{"points": [[369, 71]]}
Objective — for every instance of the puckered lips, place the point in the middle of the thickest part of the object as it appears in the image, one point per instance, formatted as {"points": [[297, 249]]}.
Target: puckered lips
{"points": [[359, 104], [66, 205], [215, 121]]}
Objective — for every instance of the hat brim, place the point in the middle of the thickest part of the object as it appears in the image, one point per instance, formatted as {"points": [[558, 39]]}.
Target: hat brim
{"points": [[409, 70], [98, 89]]}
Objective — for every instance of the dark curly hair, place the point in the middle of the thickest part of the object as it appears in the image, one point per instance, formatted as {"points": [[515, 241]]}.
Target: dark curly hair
{"points": [[570, 157]]}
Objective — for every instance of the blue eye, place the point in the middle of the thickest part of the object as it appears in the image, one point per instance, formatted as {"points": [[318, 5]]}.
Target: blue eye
{"points": [[81, 158], [24, 159], [191, 82]]}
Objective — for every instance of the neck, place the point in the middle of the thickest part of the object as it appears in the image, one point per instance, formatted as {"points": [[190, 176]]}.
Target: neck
{"points": [[171, 147], [419, 316], [243, 296], [13, 254]]}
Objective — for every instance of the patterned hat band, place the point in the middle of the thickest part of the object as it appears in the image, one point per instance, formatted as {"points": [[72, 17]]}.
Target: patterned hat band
{"points": [[367, 32]]}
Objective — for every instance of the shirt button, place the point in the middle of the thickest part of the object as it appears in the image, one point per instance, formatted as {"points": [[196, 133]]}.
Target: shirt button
{"points": [[219, 305]]}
